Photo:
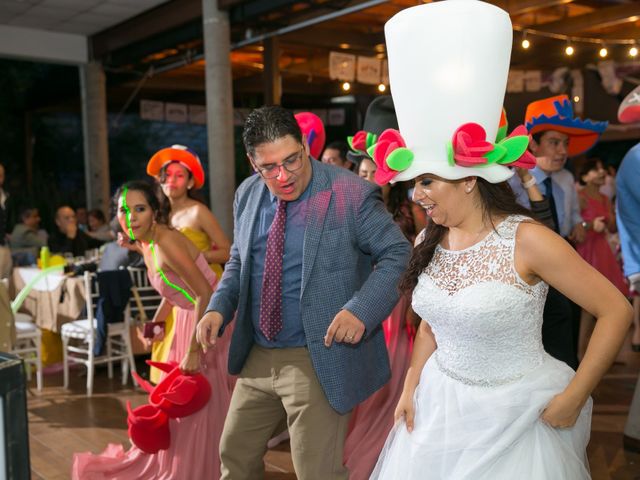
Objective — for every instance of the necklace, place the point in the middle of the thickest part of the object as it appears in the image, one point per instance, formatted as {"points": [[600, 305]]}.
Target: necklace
{"points": [[164, 277]]}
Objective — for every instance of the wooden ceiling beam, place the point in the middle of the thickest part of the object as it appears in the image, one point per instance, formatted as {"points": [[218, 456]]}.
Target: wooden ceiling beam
{"points": [[528, 6], [602, 17], [330, 39]]}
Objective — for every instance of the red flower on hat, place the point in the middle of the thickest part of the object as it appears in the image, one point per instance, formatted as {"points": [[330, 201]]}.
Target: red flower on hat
{"points": [[470, 145], [390, 155], [362, 141], [470, 148]]}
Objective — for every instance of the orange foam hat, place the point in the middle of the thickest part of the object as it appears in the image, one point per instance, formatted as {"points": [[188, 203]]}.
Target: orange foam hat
{"points": [[181, 154]]}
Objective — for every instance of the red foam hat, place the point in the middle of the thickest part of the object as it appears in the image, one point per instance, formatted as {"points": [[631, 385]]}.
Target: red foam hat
{"points": [[148, 428], [178, 395], [312, 128]]}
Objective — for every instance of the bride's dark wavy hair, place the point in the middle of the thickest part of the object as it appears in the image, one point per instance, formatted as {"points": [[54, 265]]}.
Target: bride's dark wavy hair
{"points": [[497, 199]]}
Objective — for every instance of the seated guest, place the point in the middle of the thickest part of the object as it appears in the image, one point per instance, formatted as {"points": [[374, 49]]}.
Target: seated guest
{"points": [[67, 238], [98, 226], [25, 235], [336, 154]]}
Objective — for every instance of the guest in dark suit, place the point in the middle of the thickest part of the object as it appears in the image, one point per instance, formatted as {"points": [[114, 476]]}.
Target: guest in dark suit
{"points": [[307, 344], [68, 238]]}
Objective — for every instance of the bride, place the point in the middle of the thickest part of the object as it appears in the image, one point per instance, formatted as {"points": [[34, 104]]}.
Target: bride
{"points": [[481, 398]]}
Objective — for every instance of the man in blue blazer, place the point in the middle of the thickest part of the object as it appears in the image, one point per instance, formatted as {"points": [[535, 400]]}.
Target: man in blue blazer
{"points": [[314, 349]]}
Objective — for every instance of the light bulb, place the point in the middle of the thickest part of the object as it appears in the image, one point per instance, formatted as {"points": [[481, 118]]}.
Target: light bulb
{"points": [[576, 99], [569, 50], [526, 43], [633, 51], [603, 52], [382, 87], [346, 86]]}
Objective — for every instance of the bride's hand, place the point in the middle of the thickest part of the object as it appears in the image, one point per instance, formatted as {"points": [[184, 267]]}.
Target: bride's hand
{"points": [[191, 362], [405, 409], [562, 411]]}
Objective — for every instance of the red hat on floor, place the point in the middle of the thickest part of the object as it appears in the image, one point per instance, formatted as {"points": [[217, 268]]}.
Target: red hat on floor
{"points": [[148, 428], [178, 395]]}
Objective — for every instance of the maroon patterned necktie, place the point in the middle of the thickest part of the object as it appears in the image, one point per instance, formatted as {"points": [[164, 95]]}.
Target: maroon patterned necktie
{"points": [[271, 296]]}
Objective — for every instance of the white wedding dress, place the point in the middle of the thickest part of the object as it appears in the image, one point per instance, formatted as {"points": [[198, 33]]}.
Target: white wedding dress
{"points": [[481, 393]]}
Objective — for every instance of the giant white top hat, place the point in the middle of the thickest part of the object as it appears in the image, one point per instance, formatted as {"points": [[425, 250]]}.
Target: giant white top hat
{"points": [[448, 68]]}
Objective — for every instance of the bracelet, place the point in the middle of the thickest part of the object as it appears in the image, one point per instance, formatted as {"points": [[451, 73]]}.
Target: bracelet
{"points": [[529, 183]]}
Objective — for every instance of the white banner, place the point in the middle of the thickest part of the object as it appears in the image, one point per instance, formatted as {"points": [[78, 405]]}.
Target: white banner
{"points": [[176, 112], [369, 70], [385, 72], [532, 80], [342, 66], [515, 81], [151, 110], [198, 114]]}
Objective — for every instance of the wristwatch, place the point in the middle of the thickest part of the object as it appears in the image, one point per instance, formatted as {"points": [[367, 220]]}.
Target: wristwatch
{"points": [[585, 225]]}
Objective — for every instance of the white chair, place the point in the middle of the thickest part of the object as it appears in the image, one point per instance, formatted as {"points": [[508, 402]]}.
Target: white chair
{"points": [[28, 345], [78, 339], [146, 299], [24, 338]]}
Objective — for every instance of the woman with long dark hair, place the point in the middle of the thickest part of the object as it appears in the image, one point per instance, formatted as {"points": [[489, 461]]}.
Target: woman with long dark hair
{"points": [[482, 400], [180, 272], [180, 175]]}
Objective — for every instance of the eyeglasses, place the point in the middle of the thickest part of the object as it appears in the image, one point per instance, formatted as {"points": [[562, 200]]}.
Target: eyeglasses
{"points": [[290, 165]]}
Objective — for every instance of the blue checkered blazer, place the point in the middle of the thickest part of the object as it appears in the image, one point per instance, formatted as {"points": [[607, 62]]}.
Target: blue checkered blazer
{"points": [[348, 229]]}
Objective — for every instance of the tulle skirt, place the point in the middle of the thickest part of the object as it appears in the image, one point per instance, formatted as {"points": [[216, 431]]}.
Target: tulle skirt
{"points": [[487, 433]]}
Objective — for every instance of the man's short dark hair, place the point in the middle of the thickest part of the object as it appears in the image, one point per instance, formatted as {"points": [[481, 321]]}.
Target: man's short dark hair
{"points": [[342, 147], [268, 124], [25, 212]]}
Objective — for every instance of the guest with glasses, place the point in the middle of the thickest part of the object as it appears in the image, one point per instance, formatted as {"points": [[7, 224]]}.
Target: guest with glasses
{"points": [[307, 344]]}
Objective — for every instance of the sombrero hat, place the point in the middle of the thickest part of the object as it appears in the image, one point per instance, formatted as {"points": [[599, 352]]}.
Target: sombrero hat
{"points": [[181, 154], [556, 113]]}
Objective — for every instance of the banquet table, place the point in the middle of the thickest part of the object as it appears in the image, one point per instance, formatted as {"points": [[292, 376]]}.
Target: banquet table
{"points": [[53, 301]]}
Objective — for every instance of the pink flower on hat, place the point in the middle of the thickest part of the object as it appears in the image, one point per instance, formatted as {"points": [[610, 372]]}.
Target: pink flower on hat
{"points": [[391, 156], [470, 148]]}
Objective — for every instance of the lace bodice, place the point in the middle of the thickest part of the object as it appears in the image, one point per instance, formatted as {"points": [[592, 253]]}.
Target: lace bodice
{"points": [[486, 320]]}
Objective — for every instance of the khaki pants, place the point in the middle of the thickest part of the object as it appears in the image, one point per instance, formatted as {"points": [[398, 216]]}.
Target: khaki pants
{"points": [[276, 384]]}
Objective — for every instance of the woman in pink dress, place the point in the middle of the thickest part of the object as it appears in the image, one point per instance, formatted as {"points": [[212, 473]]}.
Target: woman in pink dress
{"points": [[179, 271], [599, 219]]}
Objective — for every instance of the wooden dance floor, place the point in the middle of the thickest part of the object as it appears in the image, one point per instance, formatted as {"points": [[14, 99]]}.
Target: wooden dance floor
{"points": [[63, 422]]}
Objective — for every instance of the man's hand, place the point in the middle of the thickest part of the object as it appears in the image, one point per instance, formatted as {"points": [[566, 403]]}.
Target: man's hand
{"points": [[577, 234], [345, 328], [208, 328]]}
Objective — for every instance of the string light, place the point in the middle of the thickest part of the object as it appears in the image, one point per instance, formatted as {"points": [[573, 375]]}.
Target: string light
{"points": [[346, 86], [382, 87], [569, 50]]}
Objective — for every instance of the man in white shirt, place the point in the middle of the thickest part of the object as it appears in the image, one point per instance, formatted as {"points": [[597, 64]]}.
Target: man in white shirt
{"points": [[556, 136]]}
